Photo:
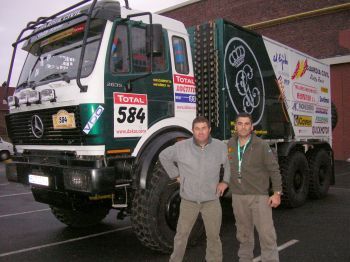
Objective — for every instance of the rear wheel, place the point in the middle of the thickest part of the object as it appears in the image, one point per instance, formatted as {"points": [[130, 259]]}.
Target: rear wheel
{"points": [[320, 173], [155, 212], [295, 179], [80, 218]]}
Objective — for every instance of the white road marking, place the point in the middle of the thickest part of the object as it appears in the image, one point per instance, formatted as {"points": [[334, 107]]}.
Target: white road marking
{"points": [[22, 213], [4, 184], [63, 242], [16, 194], [281, 247]]}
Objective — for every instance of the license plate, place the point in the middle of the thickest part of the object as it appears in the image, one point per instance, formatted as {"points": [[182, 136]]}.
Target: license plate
{"points": [[39, 180]]}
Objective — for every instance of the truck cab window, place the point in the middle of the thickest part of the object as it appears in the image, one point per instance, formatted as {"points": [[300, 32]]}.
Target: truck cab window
{"points": [[119, 62], [180, 55], [140, 60]]}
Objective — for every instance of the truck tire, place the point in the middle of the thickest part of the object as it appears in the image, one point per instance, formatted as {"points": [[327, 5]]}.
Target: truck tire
{"points": [[4, 155], [320, 173], [155, 212], [295, 179], [80, 218]]}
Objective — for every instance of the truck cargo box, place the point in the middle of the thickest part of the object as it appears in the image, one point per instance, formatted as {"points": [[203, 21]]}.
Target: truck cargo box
{"points": [[237, 70]]}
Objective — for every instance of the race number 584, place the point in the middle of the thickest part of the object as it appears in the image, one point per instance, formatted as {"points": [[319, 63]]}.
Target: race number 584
{"points": [[130, 114]]}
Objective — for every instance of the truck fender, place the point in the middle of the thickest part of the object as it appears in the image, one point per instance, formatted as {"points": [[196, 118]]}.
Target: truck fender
{"points": [[283, 149], [150, 151]]}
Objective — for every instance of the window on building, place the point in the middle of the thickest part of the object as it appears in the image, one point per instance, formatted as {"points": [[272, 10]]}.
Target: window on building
{"points": [[180, 55]]}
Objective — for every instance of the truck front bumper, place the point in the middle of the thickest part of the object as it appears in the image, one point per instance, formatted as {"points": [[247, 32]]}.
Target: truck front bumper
{"points": [[62, 178]]}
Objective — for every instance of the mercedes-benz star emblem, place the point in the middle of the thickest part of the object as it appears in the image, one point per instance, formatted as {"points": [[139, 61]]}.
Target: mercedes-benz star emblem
{"points": [[37, 126]]}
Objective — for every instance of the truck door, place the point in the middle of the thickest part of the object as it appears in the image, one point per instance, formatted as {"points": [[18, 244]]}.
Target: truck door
{"points": [[137, 96]]}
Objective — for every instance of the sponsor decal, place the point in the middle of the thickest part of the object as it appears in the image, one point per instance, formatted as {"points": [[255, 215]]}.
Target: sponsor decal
{"points": [[321, 120], [324, 100], [184, 80], [244, 81], [63, 120], [324, 90], [185, 98], [320, 130], [303, 66], [93, 119], [303, 107], [161, 82], [320, 110], [300, 69], [184, 93], [300, 120], [304, 93], [317, 71], [280, 58], [130, 114]]}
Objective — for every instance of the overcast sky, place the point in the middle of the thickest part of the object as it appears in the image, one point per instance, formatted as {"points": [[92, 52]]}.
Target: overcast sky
{"points": [[15, 14]]}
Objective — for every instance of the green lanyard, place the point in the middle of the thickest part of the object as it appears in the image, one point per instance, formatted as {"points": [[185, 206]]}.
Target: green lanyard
{"points": [[240, 156]]}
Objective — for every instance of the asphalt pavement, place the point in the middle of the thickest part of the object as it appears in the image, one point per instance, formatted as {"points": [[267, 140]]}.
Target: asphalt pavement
{"points": [[318, 231]]}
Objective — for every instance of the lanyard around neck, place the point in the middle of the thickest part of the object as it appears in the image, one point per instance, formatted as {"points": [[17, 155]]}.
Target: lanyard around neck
{"points": [[240, 155]]}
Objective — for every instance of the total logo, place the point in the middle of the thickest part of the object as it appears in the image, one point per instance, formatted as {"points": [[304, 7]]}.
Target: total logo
{"points": [[324, 100]]}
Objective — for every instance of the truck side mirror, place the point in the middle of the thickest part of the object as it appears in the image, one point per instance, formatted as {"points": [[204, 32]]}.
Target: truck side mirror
{"points": [[157, 39]]}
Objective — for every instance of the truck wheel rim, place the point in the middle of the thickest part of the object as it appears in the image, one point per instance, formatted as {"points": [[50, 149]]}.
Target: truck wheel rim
{"points": [[173, 209]]}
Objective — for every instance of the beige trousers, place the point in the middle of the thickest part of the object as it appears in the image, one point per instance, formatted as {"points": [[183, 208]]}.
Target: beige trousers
{"points": [[211, 213], [250, 211]]}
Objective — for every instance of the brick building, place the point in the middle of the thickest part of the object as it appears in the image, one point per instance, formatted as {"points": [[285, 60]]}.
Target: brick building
{"points": [[319, 28]]}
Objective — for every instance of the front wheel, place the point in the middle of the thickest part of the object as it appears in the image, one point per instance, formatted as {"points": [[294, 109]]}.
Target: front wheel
{"points": [[155, 212], [80, 218], [4, 155]]}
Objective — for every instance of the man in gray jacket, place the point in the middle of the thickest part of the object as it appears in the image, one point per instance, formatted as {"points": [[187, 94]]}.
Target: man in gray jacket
{"points": [[196, 164]]}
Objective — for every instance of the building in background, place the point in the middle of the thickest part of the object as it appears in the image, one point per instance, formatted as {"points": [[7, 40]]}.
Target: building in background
{"points": [[318, 28]]}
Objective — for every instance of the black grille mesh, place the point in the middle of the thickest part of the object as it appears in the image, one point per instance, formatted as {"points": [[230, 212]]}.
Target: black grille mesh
{"points": [[20, 131]]}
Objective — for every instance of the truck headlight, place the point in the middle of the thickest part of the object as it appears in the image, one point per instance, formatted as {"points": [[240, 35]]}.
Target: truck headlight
{"points": [[75, 179], [12, 101], [23, 98], [33, 96], [48, 95]]}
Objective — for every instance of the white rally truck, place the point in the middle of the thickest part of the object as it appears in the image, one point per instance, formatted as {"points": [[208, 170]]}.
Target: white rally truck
{"points": [[105, 89]]}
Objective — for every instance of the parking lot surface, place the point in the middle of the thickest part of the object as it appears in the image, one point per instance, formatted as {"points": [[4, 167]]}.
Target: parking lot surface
{"points": [[318, 231]]}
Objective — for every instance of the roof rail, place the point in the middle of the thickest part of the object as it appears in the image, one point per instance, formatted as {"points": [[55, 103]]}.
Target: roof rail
{"points": [[36, 27]]}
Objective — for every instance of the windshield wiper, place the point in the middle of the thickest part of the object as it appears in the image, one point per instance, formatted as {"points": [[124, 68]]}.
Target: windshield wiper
{"points": [[55, 76], [25, 84]]}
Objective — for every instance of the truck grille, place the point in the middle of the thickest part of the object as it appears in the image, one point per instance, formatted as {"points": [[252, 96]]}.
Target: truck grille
{"points": [[20, 130]]}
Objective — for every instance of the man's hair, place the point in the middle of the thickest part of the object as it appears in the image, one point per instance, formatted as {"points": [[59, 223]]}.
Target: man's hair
{"points": [[244, 114], [200, 119]]}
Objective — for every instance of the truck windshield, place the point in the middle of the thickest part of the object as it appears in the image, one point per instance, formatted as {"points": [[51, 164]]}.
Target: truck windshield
{"points": [[56, 57]]}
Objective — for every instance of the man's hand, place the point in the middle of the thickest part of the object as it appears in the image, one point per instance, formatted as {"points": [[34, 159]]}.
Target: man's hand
{"points": [[220, 189], [275, 200], [174, 181]]}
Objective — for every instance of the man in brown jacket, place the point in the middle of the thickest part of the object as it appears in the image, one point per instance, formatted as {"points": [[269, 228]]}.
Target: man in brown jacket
{"points": [[253, 166]]}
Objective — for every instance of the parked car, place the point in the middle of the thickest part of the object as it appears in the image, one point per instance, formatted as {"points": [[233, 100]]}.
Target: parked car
{"points": [[6, 149]]}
